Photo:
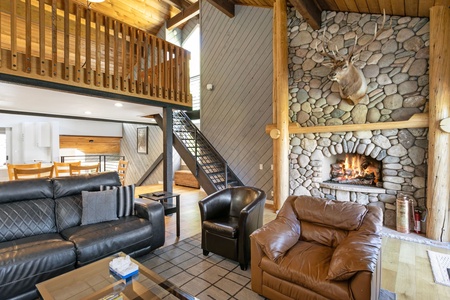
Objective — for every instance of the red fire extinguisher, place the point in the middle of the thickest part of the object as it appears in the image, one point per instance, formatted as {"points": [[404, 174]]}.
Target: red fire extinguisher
{"points": [[417, 221]]}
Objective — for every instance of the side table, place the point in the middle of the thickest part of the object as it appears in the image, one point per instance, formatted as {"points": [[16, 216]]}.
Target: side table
{"points": [[169, 208]]}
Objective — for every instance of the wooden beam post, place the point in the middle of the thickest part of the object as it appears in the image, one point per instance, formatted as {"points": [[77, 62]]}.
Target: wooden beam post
{"points": [[280, 135], [310, 11], [183, 16], [438, 182]]}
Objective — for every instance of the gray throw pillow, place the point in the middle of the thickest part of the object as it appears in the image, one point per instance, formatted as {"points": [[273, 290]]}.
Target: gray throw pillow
{"points": [[99, 207]]}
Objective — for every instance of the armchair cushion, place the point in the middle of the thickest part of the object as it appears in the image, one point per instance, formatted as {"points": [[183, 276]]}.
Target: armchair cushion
{"points": [[278, 238], [227, 226]]}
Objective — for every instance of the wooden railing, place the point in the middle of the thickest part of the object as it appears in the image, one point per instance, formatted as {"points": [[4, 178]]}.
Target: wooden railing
{"points": [[66, 43]]}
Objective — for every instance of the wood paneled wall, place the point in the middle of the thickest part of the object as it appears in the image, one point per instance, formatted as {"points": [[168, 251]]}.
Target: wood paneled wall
{"points": [[139, 163], [237, 60], [91, 144]]}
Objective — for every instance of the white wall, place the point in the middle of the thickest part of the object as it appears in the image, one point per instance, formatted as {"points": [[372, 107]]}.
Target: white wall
{"points": [[26, 146]]}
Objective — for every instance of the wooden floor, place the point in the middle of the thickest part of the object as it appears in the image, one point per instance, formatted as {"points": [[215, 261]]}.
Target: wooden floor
{"points": [[405, 266]]}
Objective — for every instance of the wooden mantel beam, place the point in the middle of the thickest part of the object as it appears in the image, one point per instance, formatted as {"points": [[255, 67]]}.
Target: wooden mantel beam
{"points": [[225, 6], [310, 11], [416, 121], [184, 16]]}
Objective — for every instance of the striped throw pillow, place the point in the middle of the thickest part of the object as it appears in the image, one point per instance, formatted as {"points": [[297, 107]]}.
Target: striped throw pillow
{"points": [[125, 199]]}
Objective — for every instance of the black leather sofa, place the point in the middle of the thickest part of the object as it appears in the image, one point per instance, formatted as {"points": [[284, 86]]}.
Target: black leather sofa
{"points": [[41, 236]]}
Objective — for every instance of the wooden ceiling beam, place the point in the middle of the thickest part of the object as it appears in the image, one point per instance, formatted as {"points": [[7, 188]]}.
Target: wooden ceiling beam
{"points": [[310, 11], [225, 6], [184, 16], [175, 3]]}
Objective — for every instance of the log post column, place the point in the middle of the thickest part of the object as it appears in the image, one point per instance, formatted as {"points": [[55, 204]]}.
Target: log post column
{"points": [[280, 135], [438, 182]]}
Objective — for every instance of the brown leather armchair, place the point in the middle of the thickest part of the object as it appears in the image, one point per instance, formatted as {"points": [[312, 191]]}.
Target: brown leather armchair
{"points": [[318, 249], [228, 217]]}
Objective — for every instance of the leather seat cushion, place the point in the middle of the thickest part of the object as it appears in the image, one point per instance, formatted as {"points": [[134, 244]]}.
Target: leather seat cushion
{"points": [[307, 264], [96, 241], [25, 262], [226, 226]]}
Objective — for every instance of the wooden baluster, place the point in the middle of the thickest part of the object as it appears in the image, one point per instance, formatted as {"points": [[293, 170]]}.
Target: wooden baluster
{"points": [[54, 39], [124, 57], [182, 71], [42, 66], [132, 59], [77, 73], [178, 74], [66, 70], [146, 58], [88, 68], [107, 80], [165, 71], [138, 62], [13, 34], [27, 65], [153, 54], [98, 51], [116, 54], [158, 68], [0, 35], [187, 78], [171, 71]]}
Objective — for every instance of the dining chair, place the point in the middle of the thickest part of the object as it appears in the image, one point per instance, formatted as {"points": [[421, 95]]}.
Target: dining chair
{"points": [[122, 170], [78, 170], [63, 168], [11, 168], [33, 173]]}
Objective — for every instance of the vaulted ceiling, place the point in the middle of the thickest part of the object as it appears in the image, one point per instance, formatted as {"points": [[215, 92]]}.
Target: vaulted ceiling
{"points": [[150, 15]]}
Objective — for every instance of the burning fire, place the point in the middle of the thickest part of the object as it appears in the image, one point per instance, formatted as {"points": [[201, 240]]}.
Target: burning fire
{"points": [[356, 169]]}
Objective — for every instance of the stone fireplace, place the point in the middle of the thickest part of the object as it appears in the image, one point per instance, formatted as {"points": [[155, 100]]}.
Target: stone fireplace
{"points": [[396, 70]]}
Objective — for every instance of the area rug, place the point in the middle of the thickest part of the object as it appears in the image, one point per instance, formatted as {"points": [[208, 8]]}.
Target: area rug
{"points": [[206, 277], [413, 237], [440, 262]]}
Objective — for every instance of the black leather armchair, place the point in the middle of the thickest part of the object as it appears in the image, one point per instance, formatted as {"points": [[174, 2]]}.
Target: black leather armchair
{"points": [[228, 217]]}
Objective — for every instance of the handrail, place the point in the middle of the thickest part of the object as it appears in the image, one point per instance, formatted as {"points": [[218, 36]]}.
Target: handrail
{"points": [[104, 161], [63, 42], [199, 136]]}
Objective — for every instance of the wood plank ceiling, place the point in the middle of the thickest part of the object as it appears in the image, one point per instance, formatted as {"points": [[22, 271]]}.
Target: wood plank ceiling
{"points": [[150, 15]]}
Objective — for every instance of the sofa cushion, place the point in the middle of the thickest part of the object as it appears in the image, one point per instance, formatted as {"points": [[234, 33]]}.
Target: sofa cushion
{"points": [[26, 218], [125, 199], [227, 226], [310, 271], [98, 207], [18, 190], [100, 240], [73, 185], [25, 262], [342, 215], [68, 211]]}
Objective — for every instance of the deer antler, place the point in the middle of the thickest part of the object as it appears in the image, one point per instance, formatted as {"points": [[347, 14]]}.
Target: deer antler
{"points": [[334, 56], [356, 50]]}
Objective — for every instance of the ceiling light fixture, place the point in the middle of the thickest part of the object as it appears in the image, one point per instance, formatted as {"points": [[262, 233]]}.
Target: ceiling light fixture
{"points": [[89, 2], [118, 104], [87, 112]]}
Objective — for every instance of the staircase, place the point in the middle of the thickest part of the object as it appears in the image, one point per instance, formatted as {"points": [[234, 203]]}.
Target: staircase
{"points": [[210, 169]]}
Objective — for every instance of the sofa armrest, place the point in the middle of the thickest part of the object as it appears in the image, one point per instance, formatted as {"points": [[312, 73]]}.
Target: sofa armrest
{"points": [[277, 237], [154, 212]]}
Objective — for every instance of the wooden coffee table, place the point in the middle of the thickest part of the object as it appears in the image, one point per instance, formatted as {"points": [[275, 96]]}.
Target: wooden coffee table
{"points": [[95, 281]]}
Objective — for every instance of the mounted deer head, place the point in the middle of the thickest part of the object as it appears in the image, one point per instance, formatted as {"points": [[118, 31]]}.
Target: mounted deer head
{"points": [[352, 83]]}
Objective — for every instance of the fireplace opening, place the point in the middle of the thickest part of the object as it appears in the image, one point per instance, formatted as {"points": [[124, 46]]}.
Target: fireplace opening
{"points": [[355, 169]]}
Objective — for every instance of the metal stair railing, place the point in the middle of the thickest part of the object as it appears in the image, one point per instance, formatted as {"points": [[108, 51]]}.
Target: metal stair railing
{"points": [[206, 157]]}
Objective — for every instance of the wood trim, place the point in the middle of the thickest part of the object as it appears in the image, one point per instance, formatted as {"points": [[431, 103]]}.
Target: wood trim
{"points": [[310, 11], [183, 16], [91, 144], [416, 121], [225, 6]]}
